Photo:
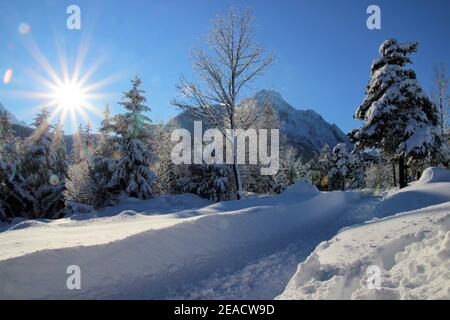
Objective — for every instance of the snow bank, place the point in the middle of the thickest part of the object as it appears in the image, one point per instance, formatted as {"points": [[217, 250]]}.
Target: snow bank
{"points": [[300, 190], [433, 175], [145, 263], [418, 195], [411, 252]]}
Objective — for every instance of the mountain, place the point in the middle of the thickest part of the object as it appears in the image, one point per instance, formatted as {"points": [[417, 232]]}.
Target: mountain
{"points": [[20, 127], [12, 117], [305, 130]]}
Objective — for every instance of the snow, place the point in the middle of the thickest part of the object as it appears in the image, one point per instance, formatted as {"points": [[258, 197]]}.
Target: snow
{"points": [[146, 256], [184, 247], [433, 175], [410, 249]]}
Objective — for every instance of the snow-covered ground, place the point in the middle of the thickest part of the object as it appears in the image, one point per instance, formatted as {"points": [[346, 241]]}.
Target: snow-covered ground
{"points": [[406, 256], [185, 247]]}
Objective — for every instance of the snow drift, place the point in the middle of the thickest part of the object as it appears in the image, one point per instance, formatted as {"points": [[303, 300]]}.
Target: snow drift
{"points": [[145, 263], [411, 250], [433, 175]]}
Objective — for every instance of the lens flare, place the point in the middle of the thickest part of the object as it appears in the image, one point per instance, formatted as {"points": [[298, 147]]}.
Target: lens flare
{"points": [[8, 76]]}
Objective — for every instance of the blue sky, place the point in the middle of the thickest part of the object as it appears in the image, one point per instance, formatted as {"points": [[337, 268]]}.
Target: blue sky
{"points": [[323, 48]]}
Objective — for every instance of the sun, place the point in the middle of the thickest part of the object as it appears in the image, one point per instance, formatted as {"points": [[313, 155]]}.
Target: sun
{"points": [[68, 91], [70, 96]]}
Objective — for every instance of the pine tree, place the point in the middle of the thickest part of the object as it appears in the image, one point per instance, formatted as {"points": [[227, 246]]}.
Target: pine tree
{"points": [[8, 162], [319, 166], [6, 129], [133, 170], [80, 186], [291, 169], [103, 165], [35, 190], [106, 125], [399, 118], [77, 154], [341, 166], [207, 181], [60, 149], [89, 143]]}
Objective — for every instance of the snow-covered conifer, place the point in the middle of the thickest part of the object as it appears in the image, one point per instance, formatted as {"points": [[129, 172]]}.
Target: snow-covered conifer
{"points": [[6, 129], [399, 118], [133, 170], [207, 181], [60, 150], [35, 185], [291, 169], [340, 167]]}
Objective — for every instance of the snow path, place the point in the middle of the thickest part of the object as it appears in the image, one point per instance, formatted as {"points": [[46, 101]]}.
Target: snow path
{"points": [[236, 249], [266, 278], [155, 262]]}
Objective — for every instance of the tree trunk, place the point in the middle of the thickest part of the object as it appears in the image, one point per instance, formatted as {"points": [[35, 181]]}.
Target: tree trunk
{"points": [[237, 173], [402, 172], [395, 175], [237, 176]]}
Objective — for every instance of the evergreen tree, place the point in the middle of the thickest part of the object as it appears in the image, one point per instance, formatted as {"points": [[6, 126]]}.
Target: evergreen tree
{"points": [[133, 170], [103, 165], [6, 129], [77, 154], [60, 149], [106, 125], [34, 186], [207, 181], [341, 167], [80, 186], [318, 168], [291, 169], [399, 118], [89, 143], [8, 162]]}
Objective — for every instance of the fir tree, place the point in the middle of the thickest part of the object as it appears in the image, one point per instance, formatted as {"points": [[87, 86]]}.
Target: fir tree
{"points": [[291, 169], [60, 149], [399, 118], [77, 154], [133, 170], [35, 190], [6, 129], [341, 167], [207, 181], [106, 125]]}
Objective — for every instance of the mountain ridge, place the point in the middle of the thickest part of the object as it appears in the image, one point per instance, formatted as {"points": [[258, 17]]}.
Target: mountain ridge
{"points": [[305, 130]]}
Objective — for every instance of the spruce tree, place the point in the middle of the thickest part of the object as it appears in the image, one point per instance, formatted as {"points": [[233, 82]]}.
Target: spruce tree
{"points": [[133, 170], [291, 169], [33, 178], [399, 119], [207, 181], [6, 129], [60, 149]]}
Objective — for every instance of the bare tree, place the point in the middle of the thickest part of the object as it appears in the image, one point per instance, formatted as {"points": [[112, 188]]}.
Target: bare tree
{"points": [[232, 61], [440, 95]]}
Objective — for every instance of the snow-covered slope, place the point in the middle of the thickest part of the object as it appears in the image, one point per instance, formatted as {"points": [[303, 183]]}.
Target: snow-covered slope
{"points": [[411, 252], [305, 130], [12, 116]]}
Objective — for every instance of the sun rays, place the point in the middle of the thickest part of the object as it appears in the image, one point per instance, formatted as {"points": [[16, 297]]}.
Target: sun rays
{"points": [[67, 90]]}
